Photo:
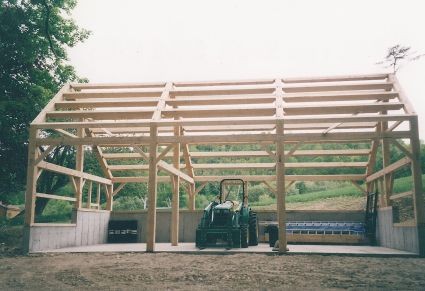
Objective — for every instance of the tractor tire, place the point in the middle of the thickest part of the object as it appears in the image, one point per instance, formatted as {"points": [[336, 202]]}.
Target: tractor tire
{"points": [[244, 236], [253, 231]]}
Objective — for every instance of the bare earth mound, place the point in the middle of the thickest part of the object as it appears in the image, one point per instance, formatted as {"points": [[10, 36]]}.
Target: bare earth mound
{"points": [[209, 272]]}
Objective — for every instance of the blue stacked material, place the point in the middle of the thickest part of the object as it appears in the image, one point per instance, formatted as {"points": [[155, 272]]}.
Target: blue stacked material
{"points": [[325, 227]]}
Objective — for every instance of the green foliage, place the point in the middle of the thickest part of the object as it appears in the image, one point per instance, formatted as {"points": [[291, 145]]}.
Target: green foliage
{"points": [[34, 36]]}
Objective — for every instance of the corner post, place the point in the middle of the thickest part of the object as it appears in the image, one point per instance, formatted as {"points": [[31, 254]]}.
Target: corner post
{"points": [[32, 173], [418, 198], [152, 189]]}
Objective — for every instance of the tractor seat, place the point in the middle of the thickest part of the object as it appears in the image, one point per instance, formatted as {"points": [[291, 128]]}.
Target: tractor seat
{"points": [[231, 205]]}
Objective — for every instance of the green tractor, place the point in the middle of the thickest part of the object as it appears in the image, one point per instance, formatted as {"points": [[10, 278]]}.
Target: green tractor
{"points": [[228, 219]]}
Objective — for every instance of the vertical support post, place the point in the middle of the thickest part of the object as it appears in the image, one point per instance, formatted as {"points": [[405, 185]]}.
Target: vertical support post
{"points": [[98, 196], [385, 163], [88, 203], [152, 189], [110, 199], [418, 197], [280, 186], [176, 193], [32, 173], [79, 166]]}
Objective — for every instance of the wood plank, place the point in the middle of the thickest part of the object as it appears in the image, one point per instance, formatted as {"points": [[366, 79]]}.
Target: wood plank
{"points": [[338, 96], [55, 197], [86, 86], [32, 174], [44, 154], [102, 115], [336, 78], [70, 172], [127, 102], [261, 89], [112, 94], [224, 83], [340, 108], [221, 100], [292, 88]]}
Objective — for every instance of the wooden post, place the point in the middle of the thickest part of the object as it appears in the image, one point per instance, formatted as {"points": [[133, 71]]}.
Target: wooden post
{"points": [[176, 193], [32, 172], [418, 197], [79, 166], [152, 189], [280, 186], [98, 196], [110, 199], [385, 163], [88, 202]]}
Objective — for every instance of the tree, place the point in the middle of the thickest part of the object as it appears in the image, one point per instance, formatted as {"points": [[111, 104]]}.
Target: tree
{"points": [[399, 55], [34, 36]]}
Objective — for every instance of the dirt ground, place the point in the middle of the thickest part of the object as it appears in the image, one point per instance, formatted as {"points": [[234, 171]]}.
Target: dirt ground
{"points": [[161, 271]]}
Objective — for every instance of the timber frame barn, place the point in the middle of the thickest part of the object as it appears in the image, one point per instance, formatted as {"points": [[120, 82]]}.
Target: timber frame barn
{"points": [[157, 123]]}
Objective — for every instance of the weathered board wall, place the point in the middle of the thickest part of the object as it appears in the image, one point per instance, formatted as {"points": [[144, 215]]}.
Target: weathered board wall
{"points": [[396, 236], [90, 227]]}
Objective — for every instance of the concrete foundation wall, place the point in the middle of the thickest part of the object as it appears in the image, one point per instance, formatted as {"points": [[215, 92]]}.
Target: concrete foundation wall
{"points": [[189, 220], [90, 227], [396, 236]]}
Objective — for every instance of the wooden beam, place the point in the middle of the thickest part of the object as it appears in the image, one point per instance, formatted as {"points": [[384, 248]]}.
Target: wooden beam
{"points": [[408, 107], [402, 148], [338, 96], [44, 154], [99, 156], [199, 189], [170, 169], [91, 86], [118, 189], [358, 186], [295, 165], [337, 78], [401, 195], [337, 87], [41, 117], [391, 168], [260, 178], [164, 152], [152, 190], [55, 197], [113, 94], [70, 172]]}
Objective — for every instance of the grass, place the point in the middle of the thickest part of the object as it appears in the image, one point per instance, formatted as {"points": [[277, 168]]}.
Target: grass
{"points": [[400, 185]]}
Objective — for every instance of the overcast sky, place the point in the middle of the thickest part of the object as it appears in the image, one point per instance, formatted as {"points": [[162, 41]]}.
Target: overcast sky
{"points": [[143, 41]]}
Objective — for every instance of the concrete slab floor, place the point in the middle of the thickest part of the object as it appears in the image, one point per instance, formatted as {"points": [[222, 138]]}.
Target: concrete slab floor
{"points": [[261, 248]]}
